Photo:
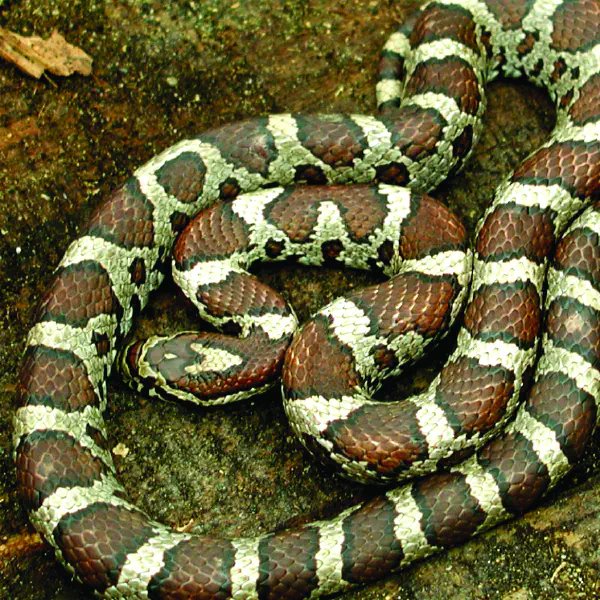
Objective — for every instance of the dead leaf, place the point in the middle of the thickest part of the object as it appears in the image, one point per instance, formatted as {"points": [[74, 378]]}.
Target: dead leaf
{"points": [[33, 55]]}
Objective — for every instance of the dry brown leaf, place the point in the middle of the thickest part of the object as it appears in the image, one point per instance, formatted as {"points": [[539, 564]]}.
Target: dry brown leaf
{"points": [[33, 55]]}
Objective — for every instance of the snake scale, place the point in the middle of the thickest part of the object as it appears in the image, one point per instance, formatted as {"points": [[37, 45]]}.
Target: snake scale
{"points": [[496, 448]]}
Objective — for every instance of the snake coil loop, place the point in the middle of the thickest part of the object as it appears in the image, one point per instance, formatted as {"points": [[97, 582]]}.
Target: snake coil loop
{"points": [[431, 95]]}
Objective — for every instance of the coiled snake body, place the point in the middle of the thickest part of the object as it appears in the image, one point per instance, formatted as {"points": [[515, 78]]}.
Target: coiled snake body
{"points": [[432, 97]]}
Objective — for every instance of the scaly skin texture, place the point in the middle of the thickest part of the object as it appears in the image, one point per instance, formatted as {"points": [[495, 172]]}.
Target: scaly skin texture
{"points": [[63, 468]]}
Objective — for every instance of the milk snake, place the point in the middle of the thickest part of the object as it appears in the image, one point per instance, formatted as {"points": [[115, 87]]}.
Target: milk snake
{"points": [[425, 130]]}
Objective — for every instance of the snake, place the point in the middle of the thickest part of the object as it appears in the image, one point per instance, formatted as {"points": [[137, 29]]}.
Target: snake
{"points": [[512, 409]]}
